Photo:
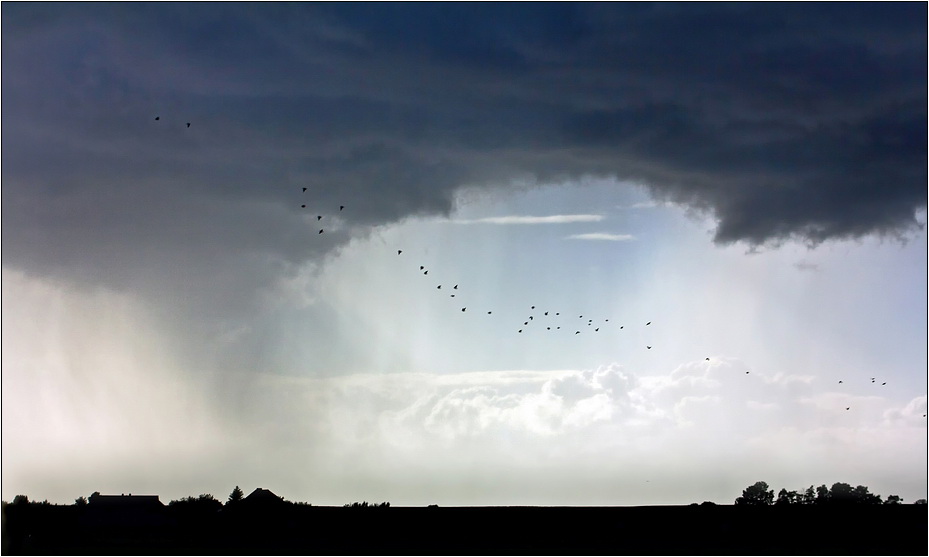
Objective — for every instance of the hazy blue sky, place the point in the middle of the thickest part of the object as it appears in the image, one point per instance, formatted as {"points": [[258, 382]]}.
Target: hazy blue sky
{"points": [[750, 179]]}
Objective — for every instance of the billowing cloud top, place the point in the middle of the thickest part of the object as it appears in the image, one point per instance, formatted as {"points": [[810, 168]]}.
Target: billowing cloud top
{"points": [[782, 121]]}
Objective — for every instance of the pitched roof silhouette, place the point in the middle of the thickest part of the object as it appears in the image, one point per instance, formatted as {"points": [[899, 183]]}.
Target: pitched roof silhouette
{"points": [[263, 497]]}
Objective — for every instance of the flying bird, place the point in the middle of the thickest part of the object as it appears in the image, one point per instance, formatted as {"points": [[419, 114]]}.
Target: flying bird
{"points": [[452, 296], [746, 373], [188, 124], [319, 217], [462, 309], [840, 382], [320, 230], [884, 383], [548, 328], [519, 331], [577, 332], [848, 407], [157, 117], [649, 323], [525, 322], [399, 251], [455, 287], [425, 272], [488, 313], [341, 207], [556, 313], [649, 347], [530, 318], [439, 287], [304, 189], [421, 267], [597, 329], [533, 307], [708, 359], [620, 326], [303, 206], [546, 313]]}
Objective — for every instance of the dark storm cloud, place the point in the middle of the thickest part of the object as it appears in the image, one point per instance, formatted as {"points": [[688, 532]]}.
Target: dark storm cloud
{"points": [[802, 121]]}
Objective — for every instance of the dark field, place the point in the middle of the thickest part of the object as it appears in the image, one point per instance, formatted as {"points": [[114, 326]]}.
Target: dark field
{"points": [[679, 530]]}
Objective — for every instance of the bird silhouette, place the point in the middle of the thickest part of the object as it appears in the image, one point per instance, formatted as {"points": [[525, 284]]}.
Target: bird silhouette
{"points": [[439, 287], [556, 313], [577, 332], [303, 206], [525, 322], [649, 347], [421, 267], [462, 309], [452, 296], [557, 328], [546, 313], [746, 373], [341, 207], [840, 382], [708, 359], [455, 287], [884, 383], [848, 407], [649, 323], [399, 251], [519, 331], [597, 329], [620, 326], [533, 307], [488, 313], [320, 230], [425, 272], [530, 318], [319, 217], [548, 328], [304, 189], [157, 118], [188, 124]]}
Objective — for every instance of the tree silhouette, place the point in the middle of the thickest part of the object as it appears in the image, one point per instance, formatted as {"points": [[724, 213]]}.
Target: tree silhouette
{"points": [[235, 496], [205, 503], [20, 500], [893, 500], [862, 496], [80, 501], [822, 495], [919, 502], [785, 497], [756, 494], [809, 496]]}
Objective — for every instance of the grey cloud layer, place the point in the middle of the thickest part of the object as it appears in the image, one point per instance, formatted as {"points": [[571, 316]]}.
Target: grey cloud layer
{"points": [[789, 121]]}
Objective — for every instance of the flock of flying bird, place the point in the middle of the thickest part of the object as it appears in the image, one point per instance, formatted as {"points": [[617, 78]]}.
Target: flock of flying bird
{"points": [[547, 317], [535, 317]]}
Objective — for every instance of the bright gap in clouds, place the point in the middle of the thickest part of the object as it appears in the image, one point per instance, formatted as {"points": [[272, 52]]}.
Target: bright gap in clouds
{"points": [[374, 385]]}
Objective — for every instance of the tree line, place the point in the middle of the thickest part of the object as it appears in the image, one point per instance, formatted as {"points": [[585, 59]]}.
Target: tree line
{"points": [[758, 493], [840, 493]]}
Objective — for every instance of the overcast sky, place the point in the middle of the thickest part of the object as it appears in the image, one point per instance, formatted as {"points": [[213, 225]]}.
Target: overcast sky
{"points": [[688, 242]]}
